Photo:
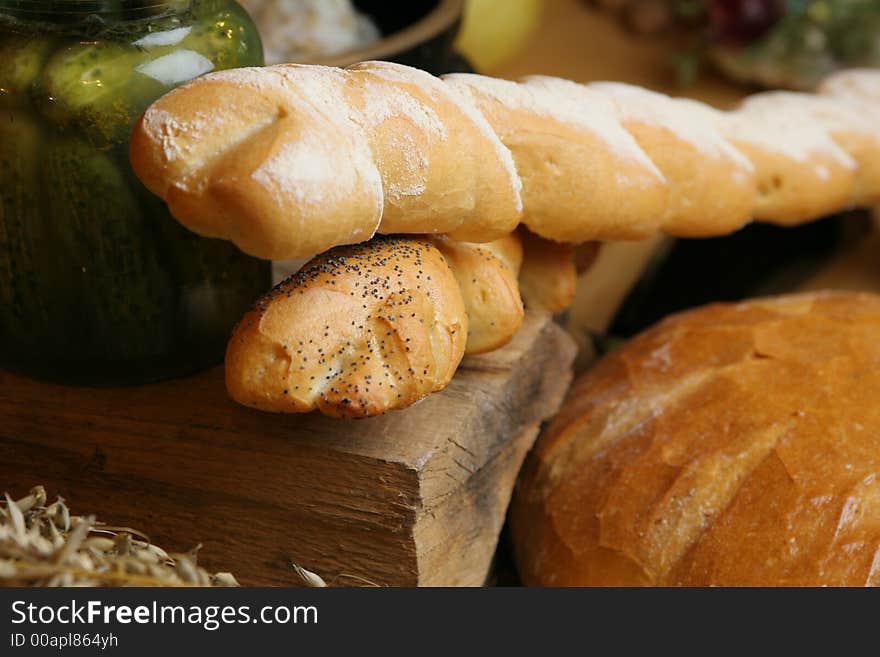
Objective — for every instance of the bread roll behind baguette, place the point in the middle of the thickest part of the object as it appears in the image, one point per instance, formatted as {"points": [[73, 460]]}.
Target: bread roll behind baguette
{"points": [[376, 326], [487, 277], [548, 277]]}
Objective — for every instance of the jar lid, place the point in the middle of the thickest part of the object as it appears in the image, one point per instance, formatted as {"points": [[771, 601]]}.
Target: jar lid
{"points": [[73, 10]]}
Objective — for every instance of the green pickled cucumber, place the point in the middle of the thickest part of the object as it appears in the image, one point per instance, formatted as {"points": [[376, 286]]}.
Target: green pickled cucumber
{"points": [[227, 38], [96, 87], [24, 286], [118, 291], [21, 61]]}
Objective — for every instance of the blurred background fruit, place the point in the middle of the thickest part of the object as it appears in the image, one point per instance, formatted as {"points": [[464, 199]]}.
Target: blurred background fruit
{"points": [[494, 30], [794, 44], [740, 22], [770, 43]]}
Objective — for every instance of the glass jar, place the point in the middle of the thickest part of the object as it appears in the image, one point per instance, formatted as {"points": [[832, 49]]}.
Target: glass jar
{"points": [[98, 283]]}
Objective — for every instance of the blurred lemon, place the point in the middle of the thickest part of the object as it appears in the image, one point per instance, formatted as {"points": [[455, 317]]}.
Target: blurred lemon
{"points": [[494, 30]]}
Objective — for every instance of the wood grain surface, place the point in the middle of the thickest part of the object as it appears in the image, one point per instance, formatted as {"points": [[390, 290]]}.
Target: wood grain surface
{"points": [[415, 497]]}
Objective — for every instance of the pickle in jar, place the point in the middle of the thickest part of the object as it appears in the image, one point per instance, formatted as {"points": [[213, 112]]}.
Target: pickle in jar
{"points": [[94, 85], [118, 288], [21, 62], [226, 38], [98, 283], [24, 284]]}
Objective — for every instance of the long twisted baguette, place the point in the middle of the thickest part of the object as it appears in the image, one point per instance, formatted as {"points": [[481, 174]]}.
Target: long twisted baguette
{"points": [[291, 160]]}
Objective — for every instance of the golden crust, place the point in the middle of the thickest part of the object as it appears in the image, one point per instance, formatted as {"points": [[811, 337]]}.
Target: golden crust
{"points": [[583, 176], [712, 186], [487, 277], [288, 161], [443, 169], [548, 278], [360, 330], [852, 130], [731, 445]]}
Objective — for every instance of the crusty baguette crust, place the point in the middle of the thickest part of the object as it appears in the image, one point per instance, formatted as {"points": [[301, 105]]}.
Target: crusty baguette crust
{"points": [[584, 177], [712, 185], [360, 330], [288, 161], [247, 156], [291, 160], [729, 445]]}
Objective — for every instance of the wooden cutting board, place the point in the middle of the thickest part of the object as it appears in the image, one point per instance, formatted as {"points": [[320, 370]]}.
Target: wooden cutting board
{"points": [[415, 497]]}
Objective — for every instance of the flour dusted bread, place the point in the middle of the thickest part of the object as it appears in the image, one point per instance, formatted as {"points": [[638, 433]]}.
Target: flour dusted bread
{"points": [[358, 331], [861, 85], [291, 160], [246, 156], [801, 172], [856, 133], [443, 168], [712, 185], [730, 445], [287, 161], [584, 177]]}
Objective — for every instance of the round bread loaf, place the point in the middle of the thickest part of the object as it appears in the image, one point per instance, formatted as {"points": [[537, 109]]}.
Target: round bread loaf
{"points": [[730, 445]]}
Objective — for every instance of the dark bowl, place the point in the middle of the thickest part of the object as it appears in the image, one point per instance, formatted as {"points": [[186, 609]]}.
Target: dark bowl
{"points": [[419, 33]]}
